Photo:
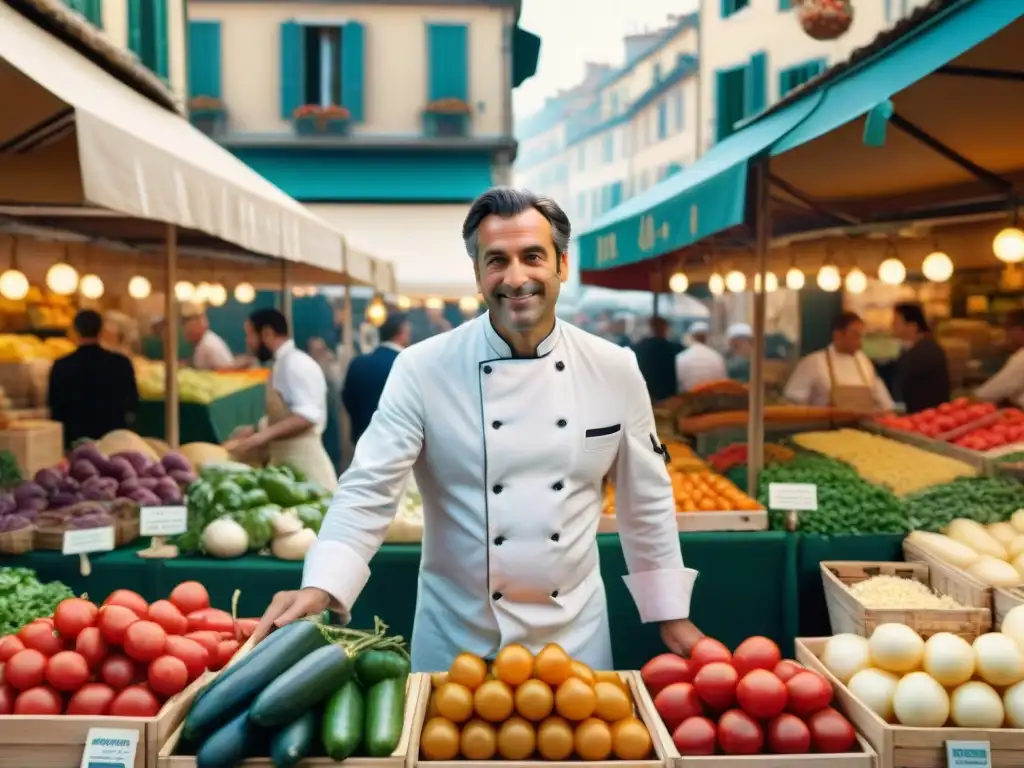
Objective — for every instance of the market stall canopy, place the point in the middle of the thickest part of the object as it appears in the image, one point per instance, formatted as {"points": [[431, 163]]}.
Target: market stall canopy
{"points": [[949, 67], [84, 152]]}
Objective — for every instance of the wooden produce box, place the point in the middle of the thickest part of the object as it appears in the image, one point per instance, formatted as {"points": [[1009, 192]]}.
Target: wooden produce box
{"points": [[703, 522], [644, 710], [847, 613], [864, 757], [902, 747], [952, 581], [1004, 600], [404, 755], [36, 444], [42, 741]]}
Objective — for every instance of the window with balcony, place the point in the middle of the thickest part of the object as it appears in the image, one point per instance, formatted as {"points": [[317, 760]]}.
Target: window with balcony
{"points": [[321, 82], [729, 7], [740, 92], [147, 33], [205, 108], [447, 113], [322, 76]]}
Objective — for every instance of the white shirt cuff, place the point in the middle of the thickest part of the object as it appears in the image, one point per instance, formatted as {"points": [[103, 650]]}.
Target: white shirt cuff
{"points": [[339, 571], [662, 595]]}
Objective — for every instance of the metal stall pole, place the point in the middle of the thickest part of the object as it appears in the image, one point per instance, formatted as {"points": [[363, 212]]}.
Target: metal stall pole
{"points": [[755, 426], [349, 352], [172, 432], [286, 295]]}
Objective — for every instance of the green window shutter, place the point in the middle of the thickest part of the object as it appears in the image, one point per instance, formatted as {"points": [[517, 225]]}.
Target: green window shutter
{"points": [[721, 110], [94, 12], [159, 63], [293, 67], [204, 59], [755, 85], [448, 54], [135, 25], [353, 56]]}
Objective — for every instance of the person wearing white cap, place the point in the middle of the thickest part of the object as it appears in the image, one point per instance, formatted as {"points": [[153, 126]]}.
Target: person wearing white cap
{"points": [[699, 363], [740, 338]]}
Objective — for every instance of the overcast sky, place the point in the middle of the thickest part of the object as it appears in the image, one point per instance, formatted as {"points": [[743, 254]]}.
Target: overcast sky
{"points": [[576, 31]]}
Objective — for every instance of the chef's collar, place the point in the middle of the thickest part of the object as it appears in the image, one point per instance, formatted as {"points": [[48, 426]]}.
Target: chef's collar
{"points": [[284, 349], [501, 347]]}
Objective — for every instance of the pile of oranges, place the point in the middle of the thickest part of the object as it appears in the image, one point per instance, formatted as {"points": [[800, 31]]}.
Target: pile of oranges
{"points": [[547, 707], [707, 491]]}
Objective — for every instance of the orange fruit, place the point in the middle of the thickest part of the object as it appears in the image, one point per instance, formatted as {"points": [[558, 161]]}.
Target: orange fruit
{"points": [[555, 740], [575, 700], [437, 679], [513, 665], [493, 701], [479, 741], [583, 672], [534, 700], [552, 665], [455, 702], [593, 740], [432, 705], [468, 670], [439, 740], [609, 676], [612, 702], [516, 739], [631, 740]]}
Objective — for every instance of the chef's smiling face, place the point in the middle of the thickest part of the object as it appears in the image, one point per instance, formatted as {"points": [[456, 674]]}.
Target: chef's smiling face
{"points": [[519, 271]]}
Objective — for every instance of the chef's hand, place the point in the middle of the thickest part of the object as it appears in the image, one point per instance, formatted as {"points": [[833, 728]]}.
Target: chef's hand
{"points": [[680, 635], [241, 433], [286, 607]]}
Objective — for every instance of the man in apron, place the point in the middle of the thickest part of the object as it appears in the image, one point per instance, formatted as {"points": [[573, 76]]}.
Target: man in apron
{"points": [[840, 375], [509, 423], [296, 403]]}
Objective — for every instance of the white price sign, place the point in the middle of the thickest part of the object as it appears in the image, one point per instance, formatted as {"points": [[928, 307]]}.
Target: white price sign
{"points": [[793, 497], [110, 748], [968, 754], [86, 540], [163, 521]]}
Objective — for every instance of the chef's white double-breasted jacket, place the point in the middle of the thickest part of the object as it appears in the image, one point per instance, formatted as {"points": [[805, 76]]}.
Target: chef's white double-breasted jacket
{"points": [[509, 455]]}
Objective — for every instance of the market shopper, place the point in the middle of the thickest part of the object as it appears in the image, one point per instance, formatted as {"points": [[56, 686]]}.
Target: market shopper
{"points": [[922, 371], [656, 356], [510, 422], [296, 403], [1008, 384], [740, 338], [367, 374], [92, 391], [699, 362], [211, 352], [840, 375]]}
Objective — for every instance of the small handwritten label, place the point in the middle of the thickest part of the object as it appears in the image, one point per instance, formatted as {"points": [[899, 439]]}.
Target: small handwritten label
{"points": [[797, 497], [968, 754], [85, 540], [163, 521], [110, 747]]}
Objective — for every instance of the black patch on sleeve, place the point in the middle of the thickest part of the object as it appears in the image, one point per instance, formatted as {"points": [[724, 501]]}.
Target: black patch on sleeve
{"points": [[660, 448]]}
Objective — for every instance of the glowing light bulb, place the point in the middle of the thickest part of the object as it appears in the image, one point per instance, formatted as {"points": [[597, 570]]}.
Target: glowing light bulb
{"points": [[736, 282], [376, 312], [771, 282], [13, 285], [469, 305], [716, 284], [829, 278], [795, 279], [62, 279], [404, 303], [937, 267], [892, 272], [1008, 245], [434, 303], [245, 293], [217, 295], [139, 287], [90, 286], [856, 281], [678, 283], [184, 290]]}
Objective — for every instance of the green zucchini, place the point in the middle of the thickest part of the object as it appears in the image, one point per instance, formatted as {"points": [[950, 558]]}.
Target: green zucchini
{"points": [[235, 690], [294, 742], [373, 665], [342, 731], [303, 686], [231, 744], [385, 715]]}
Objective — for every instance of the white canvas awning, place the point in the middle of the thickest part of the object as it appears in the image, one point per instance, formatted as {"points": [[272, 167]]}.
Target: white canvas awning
{"points": [[135, 158]]}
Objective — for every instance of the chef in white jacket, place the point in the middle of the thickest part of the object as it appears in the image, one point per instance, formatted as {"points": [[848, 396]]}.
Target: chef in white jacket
{"points": [[509, 423]]}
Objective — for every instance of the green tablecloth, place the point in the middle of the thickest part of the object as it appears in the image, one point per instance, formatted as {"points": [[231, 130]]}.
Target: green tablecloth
{"points": [[211, 423]]}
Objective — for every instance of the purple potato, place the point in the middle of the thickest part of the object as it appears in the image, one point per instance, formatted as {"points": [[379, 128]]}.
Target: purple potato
{"points": [[149, 483], [88, 452], [127, 486], [145, 497], [83, 469], [11, 523], [49, 478], [63, 500], [29, 490], [175, 461], [182, 477], [69, 485], [99, 489], [155, 470], [106, 469], [33, 504], [29, 514], [122, 469], [139, 461], [95, 520], [7, 504], [168, 491]]}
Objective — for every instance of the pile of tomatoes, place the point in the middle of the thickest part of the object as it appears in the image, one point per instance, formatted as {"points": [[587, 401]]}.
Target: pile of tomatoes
{"points": [[1007, 431], [123, 659], [934, 422], [745, 703]]}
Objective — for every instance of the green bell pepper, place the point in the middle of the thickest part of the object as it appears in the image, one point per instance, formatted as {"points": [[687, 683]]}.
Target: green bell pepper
{"points": [[256, 497], [311, 516], [281, 490], [229, 495]]}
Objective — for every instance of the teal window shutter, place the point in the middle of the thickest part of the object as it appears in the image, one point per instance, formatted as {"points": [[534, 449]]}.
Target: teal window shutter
{"points": [[135, 24], [293, 67], [159, 63], [448, 53], [94, 12], [353, 57], [662, 120], [204, 59], [721, 129], [785, 5], [755, 84]]}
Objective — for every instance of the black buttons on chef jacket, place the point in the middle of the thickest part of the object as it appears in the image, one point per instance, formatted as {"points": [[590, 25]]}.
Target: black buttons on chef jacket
{"points": [[557, 486], [496, 424], [498, 488], [559, 366], [555, 537], [498, 541], [562, 422], [555, 593], [487, 369], [496, 596]]}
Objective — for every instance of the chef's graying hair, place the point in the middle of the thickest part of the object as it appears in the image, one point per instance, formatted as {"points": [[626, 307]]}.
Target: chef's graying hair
{"points": [[508, 202]]}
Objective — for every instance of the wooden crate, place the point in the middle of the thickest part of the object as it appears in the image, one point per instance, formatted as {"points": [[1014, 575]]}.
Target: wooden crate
{"points": [[955, 582], [901, 747], [864, 757], [36, 444], [644, 710], [58, 742], [753, 520], [846, 613], [403, 756], [1005, 599]]}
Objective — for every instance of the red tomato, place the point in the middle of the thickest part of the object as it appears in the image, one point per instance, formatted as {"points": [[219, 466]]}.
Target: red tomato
{"points": [[164, 613], [189, 651], [67, 671], [739, 733], [9, 646], [40, 635], [225, 651], [38, 701], [135, 701], [73, 615], [133, 601], [25, 669], [244, 628], [715, 683], [676, 703], [708, 650], [756, 653], [114, 621], [211, 619], [167, 676], [190, 596], [695, 736], [92, 646], [91, 699], [831, 732], [761, 694], [117, 671], [786, 668], [808, 692], [7, 697], [663, 670], [210, 641], [789, 735], [145, 640]]}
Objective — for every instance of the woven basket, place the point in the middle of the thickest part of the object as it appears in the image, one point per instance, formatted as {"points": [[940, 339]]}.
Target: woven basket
{"points": [[127, 531], [825, 19], [17, 542], [49, 538]]}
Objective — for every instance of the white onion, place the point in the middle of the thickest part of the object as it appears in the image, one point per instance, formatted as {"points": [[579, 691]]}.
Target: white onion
{"points": [[1013, 703], [875, 688], [1000, 661], [845, 655], [896, 648], [976, 705], [920, 702], [949, 659]]}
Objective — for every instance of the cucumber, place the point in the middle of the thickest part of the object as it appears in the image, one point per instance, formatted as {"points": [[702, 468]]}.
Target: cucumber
{"points": [[343, 721], [231, 744], [385, 714], [373, 665], [303, 686], [232, 692], [294, 742]]}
